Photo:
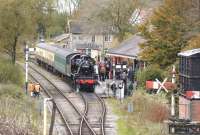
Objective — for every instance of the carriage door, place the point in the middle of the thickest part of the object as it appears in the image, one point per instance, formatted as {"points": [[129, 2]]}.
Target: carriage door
{"points": [[68, 66]]}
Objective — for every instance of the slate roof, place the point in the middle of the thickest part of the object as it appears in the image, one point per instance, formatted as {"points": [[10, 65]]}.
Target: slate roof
{"points": [[83, 27], [61, 37], [189, 52], [128, 48]]}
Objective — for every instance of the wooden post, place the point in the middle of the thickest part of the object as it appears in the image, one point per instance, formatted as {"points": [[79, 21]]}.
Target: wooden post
{"points": [[52, 119], [45, 115]]}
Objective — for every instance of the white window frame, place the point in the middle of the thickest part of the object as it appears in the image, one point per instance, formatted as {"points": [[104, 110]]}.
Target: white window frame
{"points": [[93, 38], [107, 38]]}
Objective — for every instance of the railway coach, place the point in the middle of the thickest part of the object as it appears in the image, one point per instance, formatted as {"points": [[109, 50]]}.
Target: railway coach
{"points": [[78, 67]]}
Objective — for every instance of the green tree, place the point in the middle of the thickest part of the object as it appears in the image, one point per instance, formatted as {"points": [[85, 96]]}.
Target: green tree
{"points": [[18, 20], [193, 43], [165, 34]]}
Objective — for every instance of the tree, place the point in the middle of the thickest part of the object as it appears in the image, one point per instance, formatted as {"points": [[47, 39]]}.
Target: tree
{"points": [[18, 20], [193, 43], [115, 13], [165, 34]]}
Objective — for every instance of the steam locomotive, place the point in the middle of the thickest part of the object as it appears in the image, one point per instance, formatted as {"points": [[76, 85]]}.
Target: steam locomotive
{"points": [[78, 67]]}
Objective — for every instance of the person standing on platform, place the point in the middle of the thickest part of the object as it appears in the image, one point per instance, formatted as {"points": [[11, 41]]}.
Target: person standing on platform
{"points": [[96, 70], [102, 71], [130, 74], [124, 78], [107, 64]]}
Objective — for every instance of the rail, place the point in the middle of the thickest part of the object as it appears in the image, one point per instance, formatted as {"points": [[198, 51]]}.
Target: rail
{"points": [[75, 108]]}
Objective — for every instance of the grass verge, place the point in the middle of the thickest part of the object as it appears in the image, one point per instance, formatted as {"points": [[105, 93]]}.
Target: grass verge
{"points": [[18, 113], [149, 112]]}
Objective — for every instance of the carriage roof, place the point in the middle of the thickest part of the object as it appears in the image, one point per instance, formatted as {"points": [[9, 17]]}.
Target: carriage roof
{"points": [[56, 49]]}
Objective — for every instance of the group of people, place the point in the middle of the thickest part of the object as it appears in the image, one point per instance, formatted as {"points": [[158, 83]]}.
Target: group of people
{"points": [[105, 71]]}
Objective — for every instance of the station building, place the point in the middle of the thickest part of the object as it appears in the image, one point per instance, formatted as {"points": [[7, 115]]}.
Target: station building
{"points": [[127, 53]]}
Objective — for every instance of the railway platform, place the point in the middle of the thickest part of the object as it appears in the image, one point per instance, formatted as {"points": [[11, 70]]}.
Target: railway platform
{"points": [[105, 91]]}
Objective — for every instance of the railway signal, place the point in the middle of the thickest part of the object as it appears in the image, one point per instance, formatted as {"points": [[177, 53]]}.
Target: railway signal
{"points": [[26, 67], [27, 50], [157, 85], [161, 85]]}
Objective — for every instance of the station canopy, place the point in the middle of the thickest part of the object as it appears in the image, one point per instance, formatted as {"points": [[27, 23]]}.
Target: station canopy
{"points": [[128, 48]]}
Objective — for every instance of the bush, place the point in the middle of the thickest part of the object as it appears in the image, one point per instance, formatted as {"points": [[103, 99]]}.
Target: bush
{"points": [[149, 73], [10, 73]]}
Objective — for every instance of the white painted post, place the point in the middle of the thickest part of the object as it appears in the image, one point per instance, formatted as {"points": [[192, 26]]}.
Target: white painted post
{"points": [[26, 68], [113, 71], [172, 96], [45, 115], [121, 92]]}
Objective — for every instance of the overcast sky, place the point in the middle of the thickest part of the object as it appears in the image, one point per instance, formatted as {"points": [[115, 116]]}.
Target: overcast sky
{"points": [[63, 5]]}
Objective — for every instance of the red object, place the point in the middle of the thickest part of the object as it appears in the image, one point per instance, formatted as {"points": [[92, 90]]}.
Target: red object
{"points": [[149, 85], [155, 85], [192, 94], [86, 81]]}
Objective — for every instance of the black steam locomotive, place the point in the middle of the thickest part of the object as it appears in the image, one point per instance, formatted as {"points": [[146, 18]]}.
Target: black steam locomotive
{"points": [[78, 67]]}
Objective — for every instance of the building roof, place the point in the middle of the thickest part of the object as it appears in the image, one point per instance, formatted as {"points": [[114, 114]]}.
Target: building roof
{"points": [[189, 52], [88, 45], [128, 48], [61, 37], [83, 27]]}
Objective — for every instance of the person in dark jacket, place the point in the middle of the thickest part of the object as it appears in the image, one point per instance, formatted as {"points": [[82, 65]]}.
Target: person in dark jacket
{"points": [[124, 78], [130, 74]]}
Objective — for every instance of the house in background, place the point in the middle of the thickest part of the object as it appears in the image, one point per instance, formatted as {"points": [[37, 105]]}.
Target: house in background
{"points": [[90, 38]]}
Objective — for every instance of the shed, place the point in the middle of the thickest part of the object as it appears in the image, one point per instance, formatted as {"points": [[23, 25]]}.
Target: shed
{"points": [[189, 70]]}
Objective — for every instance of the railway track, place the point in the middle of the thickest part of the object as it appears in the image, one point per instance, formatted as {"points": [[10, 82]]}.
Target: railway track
{"points": [[84, 122], [66, 123], [72, 121], [95, 111]]}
